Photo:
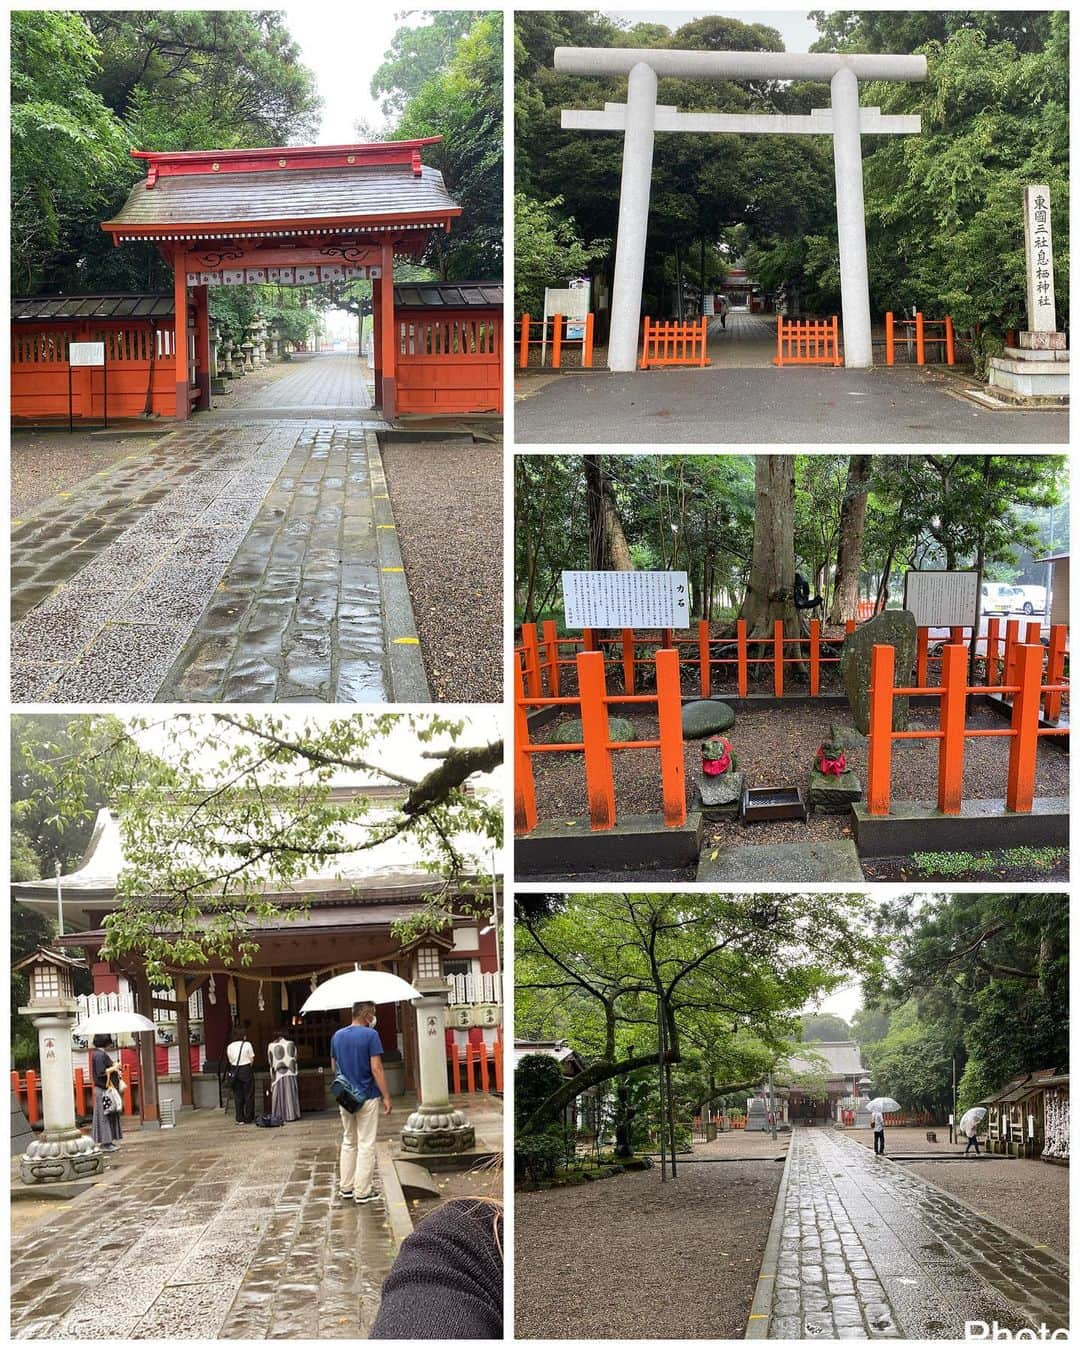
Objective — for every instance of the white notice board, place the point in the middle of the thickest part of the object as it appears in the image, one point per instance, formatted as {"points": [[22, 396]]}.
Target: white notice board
{"points": [[626, 599], [942, 599], [572, 302], [86, 354]]}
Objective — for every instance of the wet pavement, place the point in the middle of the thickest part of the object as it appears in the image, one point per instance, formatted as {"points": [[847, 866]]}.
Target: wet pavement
{"points": [[309, 380], [227, 561], [216, 1231], [297, 615], [238, 1236], [747, 340], [869, 1250]]}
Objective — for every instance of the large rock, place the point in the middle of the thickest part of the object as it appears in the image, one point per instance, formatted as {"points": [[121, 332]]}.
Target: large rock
{"points": [[895, 628], [720, 795], [833, 793], [619, 729], [846, 737], [706, 717]]}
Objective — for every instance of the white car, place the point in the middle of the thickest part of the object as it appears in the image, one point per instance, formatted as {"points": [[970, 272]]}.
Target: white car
{"points": [[1001, 598], [1034, 599]]}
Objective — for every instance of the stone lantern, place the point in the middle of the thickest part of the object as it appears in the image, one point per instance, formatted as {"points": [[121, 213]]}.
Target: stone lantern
{"points": [[434, 1127], [63, 1152], [862, 1115]]}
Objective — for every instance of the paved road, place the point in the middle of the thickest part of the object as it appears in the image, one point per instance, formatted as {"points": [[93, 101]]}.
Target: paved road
{"points": [[746, 340], [249, 551], [309, 380], [200, 1238], [868, 1249], [747, 408]]}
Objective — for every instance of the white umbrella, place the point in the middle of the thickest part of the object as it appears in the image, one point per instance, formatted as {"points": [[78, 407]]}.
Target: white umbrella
{"points": [[358, 986], [884, 1105], [972, 1118], [100, 1024]]}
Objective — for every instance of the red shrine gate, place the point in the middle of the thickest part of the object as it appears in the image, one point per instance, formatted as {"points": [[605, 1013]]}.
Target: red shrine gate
{"points": [[296, 215]]}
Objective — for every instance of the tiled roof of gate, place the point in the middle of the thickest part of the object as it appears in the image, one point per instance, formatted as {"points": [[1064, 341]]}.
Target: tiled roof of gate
{"points": [[460, 295], [322, 194], [117, 305]]}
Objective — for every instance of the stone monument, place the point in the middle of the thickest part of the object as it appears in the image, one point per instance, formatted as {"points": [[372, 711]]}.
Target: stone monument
{"points": [[435, 1126], [719, 784], [62, 1153], [892, 628], [1039, 367]]}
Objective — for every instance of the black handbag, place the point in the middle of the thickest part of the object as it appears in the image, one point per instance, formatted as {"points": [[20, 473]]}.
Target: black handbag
{"points": [[232, 1073], [345, 1094]]}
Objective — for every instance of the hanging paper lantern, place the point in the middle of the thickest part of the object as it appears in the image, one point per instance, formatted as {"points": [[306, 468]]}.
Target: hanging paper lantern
{"points": [[262, 1001]]}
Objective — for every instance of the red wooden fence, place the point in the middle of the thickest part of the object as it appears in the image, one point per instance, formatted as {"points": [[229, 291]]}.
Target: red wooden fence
{"points": [[1022, 682], [479, 1068], [555, 331], [137, 356], [807, 342], [674, 344], [592, 700], [450, 362]]}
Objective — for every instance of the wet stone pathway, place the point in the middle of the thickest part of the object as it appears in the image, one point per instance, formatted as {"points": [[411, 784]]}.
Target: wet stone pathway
{"points": [[246, 1240], [150, 579], [869, 1250], [298, 614]]}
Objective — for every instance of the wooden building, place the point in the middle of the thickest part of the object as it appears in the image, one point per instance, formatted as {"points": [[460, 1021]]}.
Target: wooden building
{"points": [[1028, 1116], [327, 923]]}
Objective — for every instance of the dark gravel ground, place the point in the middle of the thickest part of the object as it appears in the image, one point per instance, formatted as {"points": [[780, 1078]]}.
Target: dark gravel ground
{"points": [[448, 500], [44, 463], [777, 746], [632, 1257], [1023, 1193]]}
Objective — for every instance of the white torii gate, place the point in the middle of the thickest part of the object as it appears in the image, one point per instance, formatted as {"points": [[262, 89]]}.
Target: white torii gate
{"points": [[640, 118]]}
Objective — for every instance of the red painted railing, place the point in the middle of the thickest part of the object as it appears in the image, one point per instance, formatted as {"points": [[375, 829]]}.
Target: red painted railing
{"points": [[555, 330], [807, 342], [476, 1068], [674, 344]]}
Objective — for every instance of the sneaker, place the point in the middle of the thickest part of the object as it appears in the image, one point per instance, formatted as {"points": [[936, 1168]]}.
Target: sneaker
{"points": [[365, 1199], [345, 1195]]}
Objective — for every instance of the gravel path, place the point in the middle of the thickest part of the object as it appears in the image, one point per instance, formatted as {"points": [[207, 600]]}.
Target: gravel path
{"points": [[632, 1257], [778, 746], [447, 500], [1028, 1195], [44, 463]]}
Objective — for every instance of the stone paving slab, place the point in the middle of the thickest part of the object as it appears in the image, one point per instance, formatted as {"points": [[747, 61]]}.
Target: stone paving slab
{"points": [[868, 1251], [225, 563], [818, 860]]}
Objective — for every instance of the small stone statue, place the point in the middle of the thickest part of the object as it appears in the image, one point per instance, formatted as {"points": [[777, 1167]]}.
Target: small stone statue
{"points": [[831, 759], [717, 757]]}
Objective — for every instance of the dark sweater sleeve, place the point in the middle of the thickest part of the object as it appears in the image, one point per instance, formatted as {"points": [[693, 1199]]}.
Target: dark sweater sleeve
{"points": [[447, 1281]]}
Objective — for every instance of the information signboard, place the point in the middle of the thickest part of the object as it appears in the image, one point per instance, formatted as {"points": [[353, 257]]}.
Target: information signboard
{"points": [[942, 599], [626, 599], [572, 302], [86, 353]]}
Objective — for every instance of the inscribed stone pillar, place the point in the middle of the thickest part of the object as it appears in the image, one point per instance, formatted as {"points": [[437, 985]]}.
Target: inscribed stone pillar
{"points": [[1039, 260], [62, 1152]]}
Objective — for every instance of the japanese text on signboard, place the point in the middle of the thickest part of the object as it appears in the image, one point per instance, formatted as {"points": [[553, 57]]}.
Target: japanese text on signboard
{"points": [[626, 599]]}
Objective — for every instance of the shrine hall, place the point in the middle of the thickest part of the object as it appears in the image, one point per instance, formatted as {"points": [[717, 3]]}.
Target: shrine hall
{"points": [[286, 216]]}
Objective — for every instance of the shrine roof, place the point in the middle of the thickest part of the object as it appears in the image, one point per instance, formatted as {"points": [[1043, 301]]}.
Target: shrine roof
{"points": [[210, 193], [443, 295], [115, 305]]}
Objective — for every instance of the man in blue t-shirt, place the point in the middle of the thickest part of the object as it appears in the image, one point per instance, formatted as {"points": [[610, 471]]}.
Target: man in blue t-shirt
{"points": [[356, 1052]]}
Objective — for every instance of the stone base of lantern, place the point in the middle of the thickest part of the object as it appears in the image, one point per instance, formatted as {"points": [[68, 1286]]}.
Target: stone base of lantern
{"points": [[437, 1130], [66, 1155], [1038, 368]]}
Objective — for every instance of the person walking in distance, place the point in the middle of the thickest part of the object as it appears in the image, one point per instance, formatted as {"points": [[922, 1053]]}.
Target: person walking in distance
{"points": [[877, 1120], [972, 1132], [241, 1056], [356, 1053]]}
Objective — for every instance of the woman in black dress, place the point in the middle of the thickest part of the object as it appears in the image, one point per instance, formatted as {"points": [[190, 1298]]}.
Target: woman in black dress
{"points": [[106, 1126]]}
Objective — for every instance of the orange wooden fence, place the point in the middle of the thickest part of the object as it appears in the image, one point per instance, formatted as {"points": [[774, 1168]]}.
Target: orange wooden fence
{"points": [[664, 343], [592, 700], [1022, 682], [27, 1089], [924, 331], [551, 351], [807, 342], [138, 356], [450, 362], [479, 1068]]}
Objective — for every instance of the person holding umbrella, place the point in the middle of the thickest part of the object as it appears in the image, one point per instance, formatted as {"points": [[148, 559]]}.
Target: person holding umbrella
{"points": [[105, 1129], [877, 1109], [356, 1053], [969, 1123]]}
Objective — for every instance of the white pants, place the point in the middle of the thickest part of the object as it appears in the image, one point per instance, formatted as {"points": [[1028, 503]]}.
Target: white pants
{"points": [[357, 1162]]}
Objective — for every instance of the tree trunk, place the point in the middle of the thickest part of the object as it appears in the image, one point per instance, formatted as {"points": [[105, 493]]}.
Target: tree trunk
{"points": [[607, 539], [770, 594], [845, 604]]}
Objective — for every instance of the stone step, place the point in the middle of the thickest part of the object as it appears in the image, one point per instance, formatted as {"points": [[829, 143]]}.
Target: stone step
{"points": [[829, 860]]}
